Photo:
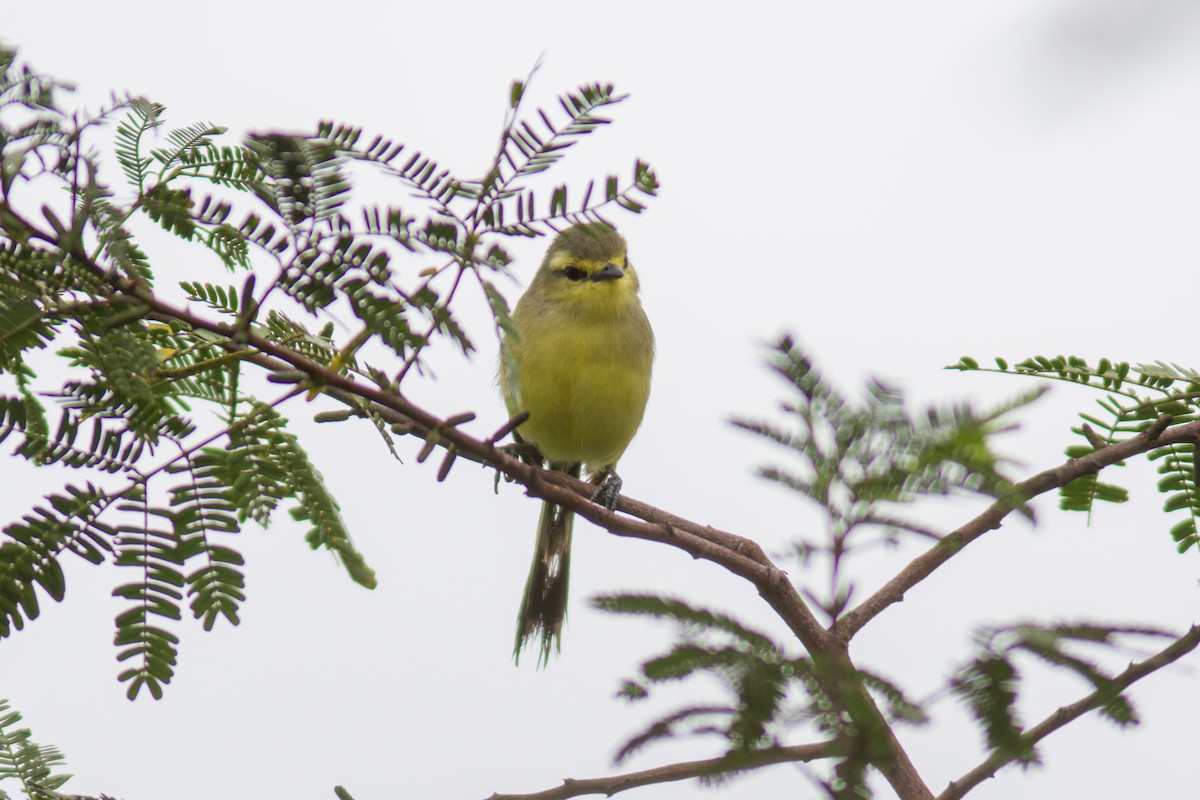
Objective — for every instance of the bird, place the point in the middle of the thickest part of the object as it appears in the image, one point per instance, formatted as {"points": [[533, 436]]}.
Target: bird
{"points": [[578, 361]]}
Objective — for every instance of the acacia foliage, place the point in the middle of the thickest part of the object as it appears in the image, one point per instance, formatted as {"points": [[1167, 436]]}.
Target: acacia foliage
{"points": [[1132, 398], [161, 414]]}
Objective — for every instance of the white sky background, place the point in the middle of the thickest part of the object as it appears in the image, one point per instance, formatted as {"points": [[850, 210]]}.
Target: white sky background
{"points": [[895, 183]]}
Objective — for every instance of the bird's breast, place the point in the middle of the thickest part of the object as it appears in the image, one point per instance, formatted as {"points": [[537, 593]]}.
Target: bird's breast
{"points": [[585, 386]]}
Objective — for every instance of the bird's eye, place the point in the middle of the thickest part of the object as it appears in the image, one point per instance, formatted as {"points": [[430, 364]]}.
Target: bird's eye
{"points": [[573, 273]]}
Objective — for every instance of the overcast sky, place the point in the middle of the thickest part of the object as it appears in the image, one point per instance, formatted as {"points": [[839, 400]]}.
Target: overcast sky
{"points": [[896, 184]]}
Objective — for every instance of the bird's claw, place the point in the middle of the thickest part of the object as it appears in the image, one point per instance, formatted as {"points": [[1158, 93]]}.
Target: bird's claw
{"points": [[525, 451], [609, 490]]}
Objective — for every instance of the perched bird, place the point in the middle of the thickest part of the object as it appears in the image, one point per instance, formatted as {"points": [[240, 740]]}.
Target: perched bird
{"points": [[579, 364]]}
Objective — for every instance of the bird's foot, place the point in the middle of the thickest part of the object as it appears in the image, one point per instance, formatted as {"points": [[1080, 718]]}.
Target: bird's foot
{"points": [[526, 451], [609, 489]]}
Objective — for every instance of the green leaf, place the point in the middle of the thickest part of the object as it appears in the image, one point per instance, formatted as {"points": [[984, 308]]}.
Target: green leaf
{"points": [[858, 461], [185, 142], [29, 554], [989, 687], [499, 308], [757, 678], [384, 314], [31, 764], [306, 184], [172, 209], [202, 515], [1082, 494], [143, 117], [686, 615]]}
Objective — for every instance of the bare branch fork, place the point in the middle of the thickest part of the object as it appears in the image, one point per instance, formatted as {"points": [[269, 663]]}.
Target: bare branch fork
{"points": [[741, 556]]}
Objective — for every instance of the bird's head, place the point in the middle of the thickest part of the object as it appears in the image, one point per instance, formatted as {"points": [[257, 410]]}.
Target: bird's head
{"points": [[587, 268]]}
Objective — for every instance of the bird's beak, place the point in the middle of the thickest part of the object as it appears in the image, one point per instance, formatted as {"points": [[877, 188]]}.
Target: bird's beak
{"points": [[610, 273]]}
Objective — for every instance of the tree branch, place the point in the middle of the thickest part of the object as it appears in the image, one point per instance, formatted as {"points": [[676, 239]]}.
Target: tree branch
{"points": [[924, 565], [573, 787], [741, 556], [1172, 652]]}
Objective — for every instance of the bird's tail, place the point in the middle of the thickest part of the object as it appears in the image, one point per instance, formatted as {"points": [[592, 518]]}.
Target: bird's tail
{"points": [[544, 604]]}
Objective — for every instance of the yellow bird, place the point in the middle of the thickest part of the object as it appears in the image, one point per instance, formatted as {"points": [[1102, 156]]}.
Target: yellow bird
{"points": [[580, 365]]}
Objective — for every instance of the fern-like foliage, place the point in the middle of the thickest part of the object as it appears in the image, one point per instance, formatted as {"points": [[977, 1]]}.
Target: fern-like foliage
{"points": [[30, 766], [859, 462], [768, 692], [148, 543], [132, 131], [1133, 398], [29, 557], [179, 455], [750, 665], [990, 683], [528, 147], [202, 513]]}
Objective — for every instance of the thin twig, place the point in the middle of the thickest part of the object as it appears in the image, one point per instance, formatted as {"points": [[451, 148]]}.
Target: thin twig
{"points": [[608, 786]]}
